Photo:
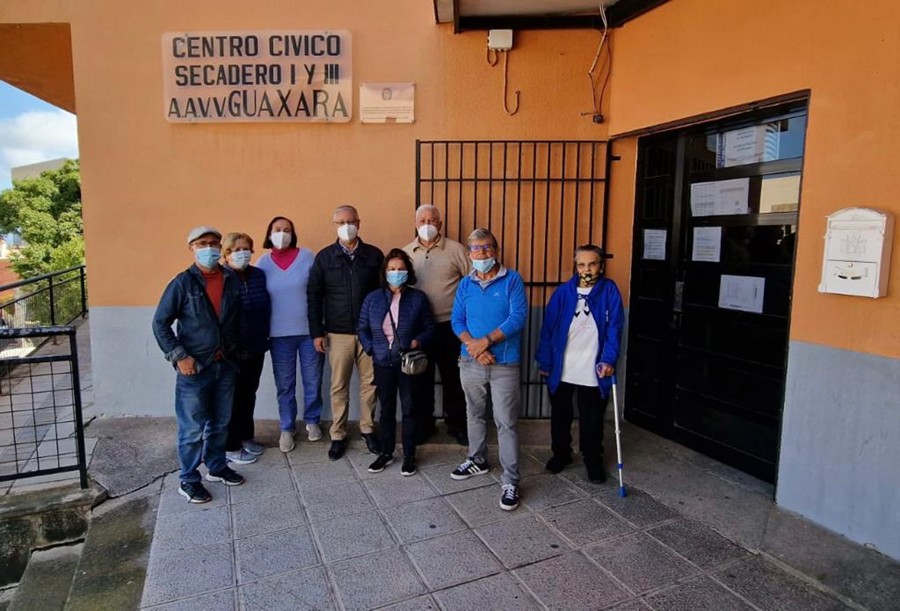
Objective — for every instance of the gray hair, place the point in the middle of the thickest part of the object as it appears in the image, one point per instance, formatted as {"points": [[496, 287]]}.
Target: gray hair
{"points": [[428, 208], [482, 234], [345, 208]]}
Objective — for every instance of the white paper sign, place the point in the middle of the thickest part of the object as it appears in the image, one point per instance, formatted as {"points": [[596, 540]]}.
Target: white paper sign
{"points": [[707, 244], [748, 145], [655, 244], [387, 102], [744, 293], [721, 197]]}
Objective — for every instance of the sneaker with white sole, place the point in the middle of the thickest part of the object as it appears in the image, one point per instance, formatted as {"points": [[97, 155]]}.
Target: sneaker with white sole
{"points": [[314, 431], [286, 441], [227, 476], [509, 500], [194, 492], [468, 469], [409, 466], [381, 462], [253, 448], [241, 457]]}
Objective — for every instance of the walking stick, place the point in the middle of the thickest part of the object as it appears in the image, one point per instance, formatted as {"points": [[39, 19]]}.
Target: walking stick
{"points": [[618, 436]]}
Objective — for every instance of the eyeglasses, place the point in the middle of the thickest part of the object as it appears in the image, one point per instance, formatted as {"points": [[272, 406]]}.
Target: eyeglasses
{"points": [[207, 243], [481, 248]]}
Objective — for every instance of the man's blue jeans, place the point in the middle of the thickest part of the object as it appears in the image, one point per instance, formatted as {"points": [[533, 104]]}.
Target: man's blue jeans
{"points": [[285, 351], [203, 409]]}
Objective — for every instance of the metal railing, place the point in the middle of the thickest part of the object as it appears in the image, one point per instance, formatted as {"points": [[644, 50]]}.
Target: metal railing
{"points": [[41, 423], [53, 299]]}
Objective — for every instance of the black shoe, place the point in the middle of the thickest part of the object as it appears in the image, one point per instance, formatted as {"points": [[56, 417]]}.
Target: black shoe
{"points": [[468, 469], [227, 476], [510, 498], [372, 443], [409, 466], [597, 475], [381, 462], [337, 449], [194, 492], [557, 463]]}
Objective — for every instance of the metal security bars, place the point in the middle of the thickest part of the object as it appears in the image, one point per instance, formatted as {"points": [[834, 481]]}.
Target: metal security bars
{"points": [[541, 198], [41, 425]]}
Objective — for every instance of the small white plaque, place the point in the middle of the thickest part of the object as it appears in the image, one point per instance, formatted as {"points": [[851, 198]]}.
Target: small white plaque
{"points": [[387, 102]]}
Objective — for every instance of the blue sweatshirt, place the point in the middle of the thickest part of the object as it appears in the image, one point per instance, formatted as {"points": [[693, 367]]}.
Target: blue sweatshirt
{"points": [[480, 307]]}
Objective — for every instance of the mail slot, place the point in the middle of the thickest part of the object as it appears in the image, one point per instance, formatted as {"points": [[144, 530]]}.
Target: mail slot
{"points": [[857, 253]]}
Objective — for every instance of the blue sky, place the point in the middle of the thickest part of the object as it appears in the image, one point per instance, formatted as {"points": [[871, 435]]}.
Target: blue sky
{"points": [[31, 131]]}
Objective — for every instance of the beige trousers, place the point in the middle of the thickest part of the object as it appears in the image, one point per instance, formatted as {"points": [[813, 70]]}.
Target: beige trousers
{"points": [[343, 352]]}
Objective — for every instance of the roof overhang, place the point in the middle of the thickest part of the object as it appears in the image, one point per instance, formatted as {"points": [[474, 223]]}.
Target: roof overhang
{"points": [[537, 14]]}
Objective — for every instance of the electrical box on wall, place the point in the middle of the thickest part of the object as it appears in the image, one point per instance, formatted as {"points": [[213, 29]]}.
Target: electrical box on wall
{"points": [[500, 40], [857, 253]]}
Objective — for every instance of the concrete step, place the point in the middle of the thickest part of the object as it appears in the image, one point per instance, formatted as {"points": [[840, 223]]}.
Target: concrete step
{"points": [[47, 580]]}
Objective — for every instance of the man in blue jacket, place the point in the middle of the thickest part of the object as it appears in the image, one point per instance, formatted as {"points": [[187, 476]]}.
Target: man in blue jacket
{"points": [[205, 302], [489, 312], [577, 354]]}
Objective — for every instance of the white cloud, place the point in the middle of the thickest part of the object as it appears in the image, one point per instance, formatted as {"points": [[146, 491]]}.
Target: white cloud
{"points": [[36, 136]]}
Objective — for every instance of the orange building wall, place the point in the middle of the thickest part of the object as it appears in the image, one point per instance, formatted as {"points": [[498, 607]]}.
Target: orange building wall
{"points": [[692, 56]]}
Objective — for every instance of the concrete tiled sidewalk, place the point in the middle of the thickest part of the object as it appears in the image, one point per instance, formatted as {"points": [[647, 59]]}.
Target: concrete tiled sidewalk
{"points": [[307, 533]]}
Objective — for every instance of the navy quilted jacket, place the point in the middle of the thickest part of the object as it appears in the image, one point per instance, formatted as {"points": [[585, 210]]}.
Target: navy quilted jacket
{"points": [[415, 322]]}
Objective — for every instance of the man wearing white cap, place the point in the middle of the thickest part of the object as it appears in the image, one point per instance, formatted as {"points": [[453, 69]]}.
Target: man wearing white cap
{"points": [[204, 303]]}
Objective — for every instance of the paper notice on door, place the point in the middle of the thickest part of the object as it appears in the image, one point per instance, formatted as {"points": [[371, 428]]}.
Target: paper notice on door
{"points": [[655, 244], [707, 244], [748, 145], [744, 293], [722, 197]]}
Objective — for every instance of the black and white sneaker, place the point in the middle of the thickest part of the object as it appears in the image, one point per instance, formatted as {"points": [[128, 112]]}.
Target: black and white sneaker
{"points": [[469, 469], [381, 462], [194, 492], [510, 498], [409, 466], [227, 476]]}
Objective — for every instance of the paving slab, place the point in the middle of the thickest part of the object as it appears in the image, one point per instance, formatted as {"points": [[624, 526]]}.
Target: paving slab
{"points": [[351, 536], [700, 594], [335, 502], [452, 559], [424, 519], [184, 531], [640, 562], [189, 573], [545, 490], [318, 474], [273, 482], [305, 453], [421, 603], [267, 514], [585, 522], [771, 589], [498, 592], [394, 489], [378, 580], [571, 583], [300, 590], [482, 506], [639, 508], [522, 541], [271, 458], [430, 455], [639, 605], [224, 600], [171, 503], [439, 476], [273, 553], [699, 544], [360, 459]]}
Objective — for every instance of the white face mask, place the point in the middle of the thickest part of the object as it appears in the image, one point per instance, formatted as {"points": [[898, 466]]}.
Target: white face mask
{"points": [[427, 233], [347, 233], [280, 239], [241, 259]]}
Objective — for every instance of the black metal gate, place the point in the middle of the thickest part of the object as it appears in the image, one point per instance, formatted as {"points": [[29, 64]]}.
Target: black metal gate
{"points": [[541, 198]]}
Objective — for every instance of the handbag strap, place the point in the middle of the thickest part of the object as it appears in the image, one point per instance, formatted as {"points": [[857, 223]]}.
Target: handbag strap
{"points": [[394, 326]]}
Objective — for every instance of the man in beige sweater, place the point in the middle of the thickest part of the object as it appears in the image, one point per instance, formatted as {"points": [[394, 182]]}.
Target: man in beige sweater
{"points": [[440, 264]]}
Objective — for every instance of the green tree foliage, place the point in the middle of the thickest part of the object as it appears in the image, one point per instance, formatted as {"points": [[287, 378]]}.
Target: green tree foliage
{"points": [[46, 212]]}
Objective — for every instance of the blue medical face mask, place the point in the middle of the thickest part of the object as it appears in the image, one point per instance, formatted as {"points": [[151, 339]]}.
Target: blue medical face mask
{"points": [[208, 256], [397, 277], [240, 259], [483, 265]]}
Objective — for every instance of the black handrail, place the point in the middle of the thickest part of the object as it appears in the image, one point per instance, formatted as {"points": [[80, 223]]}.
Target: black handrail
{"points": [[34, 311]]}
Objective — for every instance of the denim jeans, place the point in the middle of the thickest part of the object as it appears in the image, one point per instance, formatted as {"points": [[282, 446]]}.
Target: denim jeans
{"points": [[285, 351], [389, 380], [203, 409]]}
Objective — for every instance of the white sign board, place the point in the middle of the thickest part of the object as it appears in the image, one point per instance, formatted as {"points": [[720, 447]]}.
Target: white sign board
{"points": [[721, 197], [744, 293], [655, 244], [387, 102], [257, 76], [707, 245]]}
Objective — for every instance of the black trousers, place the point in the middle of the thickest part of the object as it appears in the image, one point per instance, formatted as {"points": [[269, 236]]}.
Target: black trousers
{"points": [[591, 407], [443, 354], [388, 381], [240, 427]]}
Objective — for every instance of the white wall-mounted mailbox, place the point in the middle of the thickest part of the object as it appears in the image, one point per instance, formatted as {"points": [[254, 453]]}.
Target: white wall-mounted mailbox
{"points": [[857, 253]]}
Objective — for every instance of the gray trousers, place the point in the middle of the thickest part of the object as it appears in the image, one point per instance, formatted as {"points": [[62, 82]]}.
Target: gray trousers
{"points": [[503, 382]]}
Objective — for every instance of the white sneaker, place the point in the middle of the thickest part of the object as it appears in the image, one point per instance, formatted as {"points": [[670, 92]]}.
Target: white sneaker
{"points": [[315, 433], [286, 441]]}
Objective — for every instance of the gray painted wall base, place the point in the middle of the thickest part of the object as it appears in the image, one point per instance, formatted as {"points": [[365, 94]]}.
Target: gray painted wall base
{"points": [[840, 443]]}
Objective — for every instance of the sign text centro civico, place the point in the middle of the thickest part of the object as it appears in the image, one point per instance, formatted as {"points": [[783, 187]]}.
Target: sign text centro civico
{"points": [[268, 75]]}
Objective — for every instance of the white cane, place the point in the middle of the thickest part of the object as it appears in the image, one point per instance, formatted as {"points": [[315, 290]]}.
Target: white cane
{"points": [[618, 436]]}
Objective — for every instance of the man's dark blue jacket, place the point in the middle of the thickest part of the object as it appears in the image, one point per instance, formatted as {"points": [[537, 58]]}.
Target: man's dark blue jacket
{"points": [[198, 332], [605, 303], [415, 322]]}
